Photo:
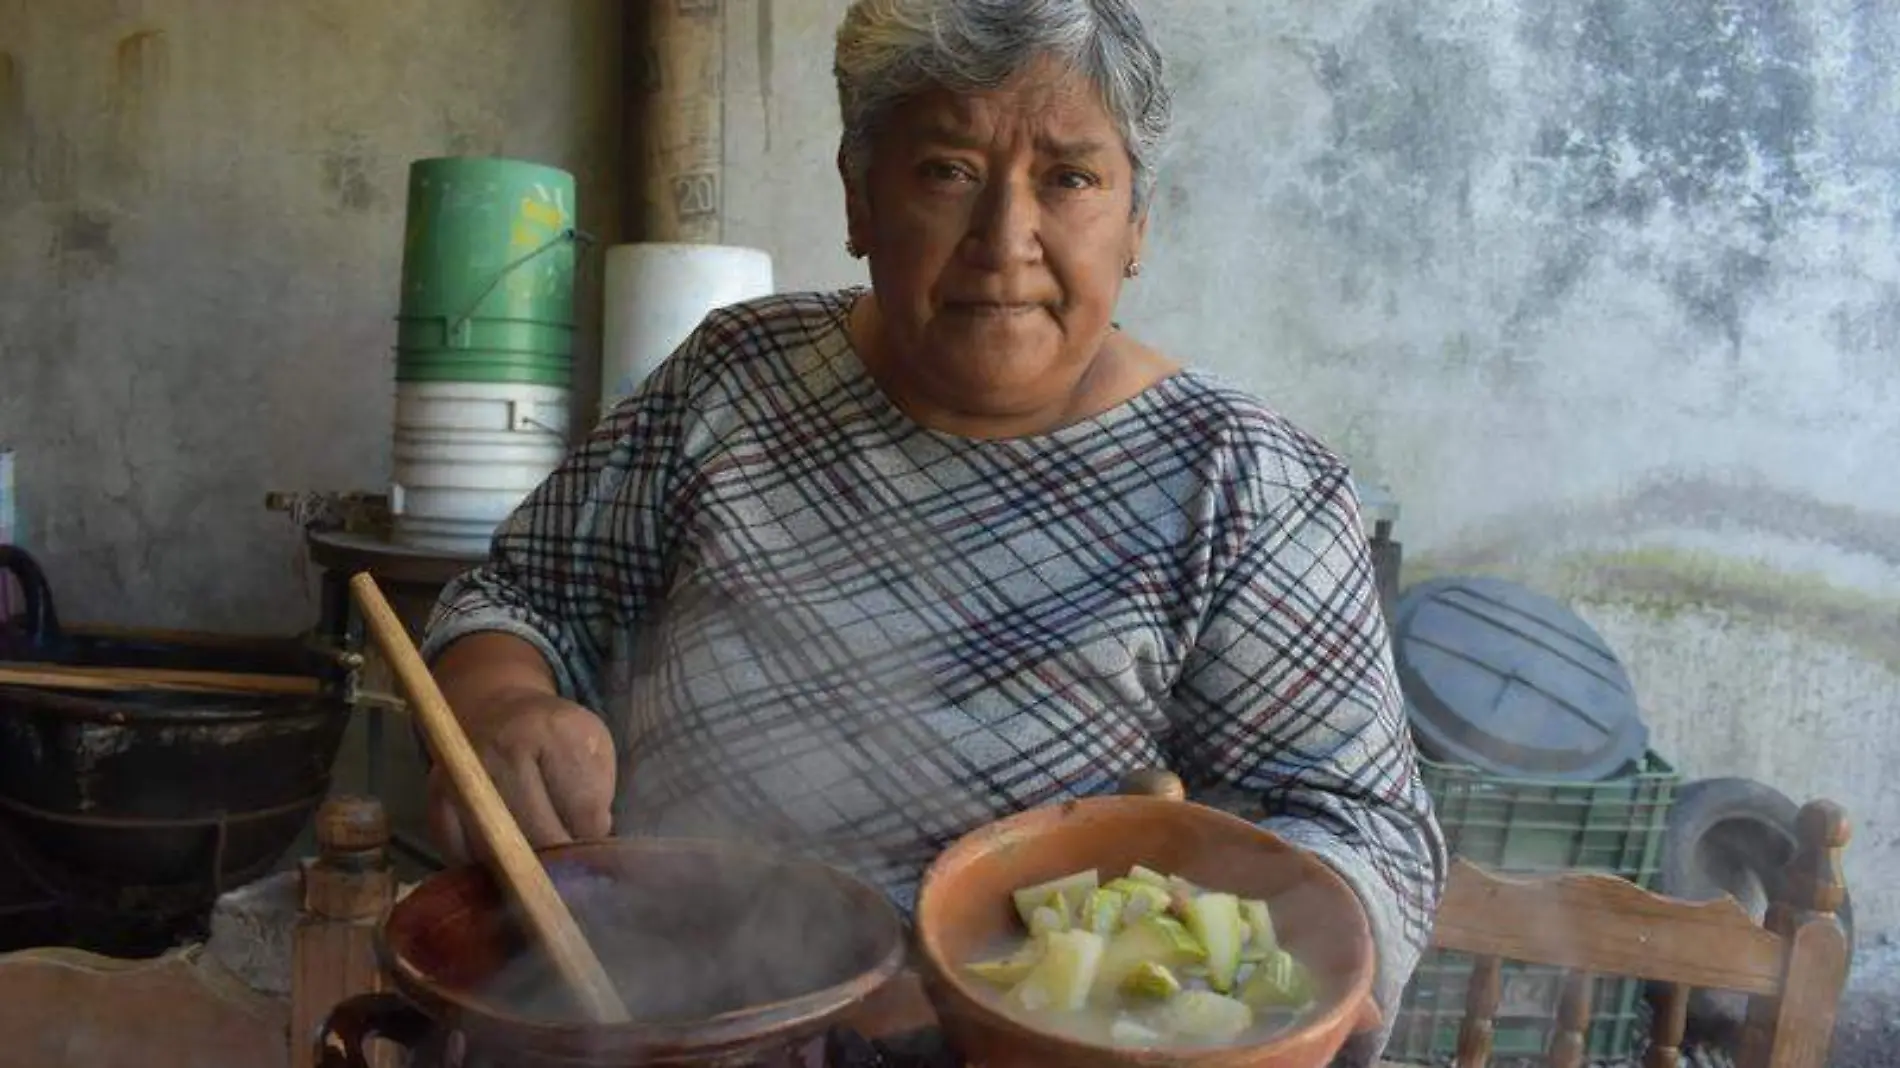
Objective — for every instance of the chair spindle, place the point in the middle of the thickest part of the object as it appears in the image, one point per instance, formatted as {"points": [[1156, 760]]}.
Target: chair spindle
{"points": [[1573, 1020], [1665, 1033], [1481, 1010]]}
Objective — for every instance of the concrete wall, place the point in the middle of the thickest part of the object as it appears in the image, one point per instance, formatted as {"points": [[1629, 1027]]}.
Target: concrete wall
{"points": [[201, 210], [1606, 291]]}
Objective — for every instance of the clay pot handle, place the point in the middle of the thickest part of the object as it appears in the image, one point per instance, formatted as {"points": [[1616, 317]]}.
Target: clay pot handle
{"points": [[342, 1040], [1154, 782]]}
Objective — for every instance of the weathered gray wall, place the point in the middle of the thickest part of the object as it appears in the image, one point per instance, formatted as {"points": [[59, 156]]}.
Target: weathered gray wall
{"points": [[1607, 291], [201, 210]]}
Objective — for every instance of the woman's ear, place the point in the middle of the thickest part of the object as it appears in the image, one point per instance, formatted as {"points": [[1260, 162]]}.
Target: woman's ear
{"points": [[857, 209], [1138, 236]]}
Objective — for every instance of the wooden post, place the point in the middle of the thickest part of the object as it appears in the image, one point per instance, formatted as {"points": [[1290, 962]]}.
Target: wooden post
{"points": [[347, 889], [676, 117]]}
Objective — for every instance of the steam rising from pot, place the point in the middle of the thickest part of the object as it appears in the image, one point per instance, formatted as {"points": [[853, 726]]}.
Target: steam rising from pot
{"points": [[693, 933]]}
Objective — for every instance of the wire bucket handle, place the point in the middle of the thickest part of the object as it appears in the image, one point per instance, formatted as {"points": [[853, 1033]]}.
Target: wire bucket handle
{"points": [[521, 419], [455, 329]]}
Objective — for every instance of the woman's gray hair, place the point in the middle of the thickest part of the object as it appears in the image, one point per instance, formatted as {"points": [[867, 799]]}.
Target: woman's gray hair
{"points": [[890, 50]]}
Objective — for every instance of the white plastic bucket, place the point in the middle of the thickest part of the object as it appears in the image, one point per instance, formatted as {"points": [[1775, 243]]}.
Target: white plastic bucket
{"points": [[654, 296], [467, 454]]}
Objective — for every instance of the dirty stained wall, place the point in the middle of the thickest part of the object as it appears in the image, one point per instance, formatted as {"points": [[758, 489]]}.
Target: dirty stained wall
{"points": [[201, 213], [1606, 291]]}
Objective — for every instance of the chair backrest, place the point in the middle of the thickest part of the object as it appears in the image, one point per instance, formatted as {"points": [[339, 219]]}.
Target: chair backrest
{"points": [[1793, 964]]}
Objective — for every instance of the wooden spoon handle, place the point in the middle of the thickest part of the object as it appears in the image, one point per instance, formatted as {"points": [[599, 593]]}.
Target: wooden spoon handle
{"points": [[515, 864]]}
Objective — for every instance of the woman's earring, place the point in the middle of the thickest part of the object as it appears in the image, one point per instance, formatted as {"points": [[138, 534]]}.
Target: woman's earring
{"points": [[851, 249], [1132, 270]]}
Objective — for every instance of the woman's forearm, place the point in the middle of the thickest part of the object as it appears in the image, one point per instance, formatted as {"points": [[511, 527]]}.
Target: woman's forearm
{"points": [[480, 673]]}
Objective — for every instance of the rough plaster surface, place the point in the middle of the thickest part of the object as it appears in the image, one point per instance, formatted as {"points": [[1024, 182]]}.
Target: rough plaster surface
{"points": [[1607, 291], [1817, 706], [201, 211]]}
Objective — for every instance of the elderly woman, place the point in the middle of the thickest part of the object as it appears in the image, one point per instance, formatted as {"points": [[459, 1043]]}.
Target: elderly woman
{"points": [[859, 571]]}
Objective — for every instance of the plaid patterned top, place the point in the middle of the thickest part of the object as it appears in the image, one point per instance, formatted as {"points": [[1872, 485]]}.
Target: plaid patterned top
{"points": [[812, 621]]}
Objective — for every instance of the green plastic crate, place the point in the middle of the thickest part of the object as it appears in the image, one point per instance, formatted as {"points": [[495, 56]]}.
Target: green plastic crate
{"points": [[1526, 826]]}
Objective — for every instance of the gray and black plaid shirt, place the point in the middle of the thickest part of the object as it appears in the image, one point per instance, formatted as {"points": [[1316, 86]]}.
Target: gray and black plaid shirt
{"points": [[811, 621]]}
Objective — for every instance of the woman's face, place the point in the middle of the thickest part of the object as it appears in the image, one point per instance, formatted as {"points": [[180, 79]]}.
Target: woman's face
{"points": [[999, 226]]}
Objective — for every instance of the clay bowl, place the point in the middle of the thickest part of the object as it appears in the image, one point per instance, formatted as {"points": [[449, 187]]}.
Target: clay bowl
{"points": [[963, 910], [653, 908]]}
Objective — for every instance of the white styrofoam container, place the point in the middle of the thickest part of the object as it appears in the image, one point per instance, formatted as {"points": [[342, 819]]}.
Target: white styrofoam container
{"points": [[654, 294]]}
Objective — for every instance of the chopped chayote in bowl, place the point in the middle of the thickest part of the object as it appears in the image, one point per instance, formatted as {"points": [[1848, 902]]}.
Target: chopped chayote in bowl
{"points": [[1146, 959]]}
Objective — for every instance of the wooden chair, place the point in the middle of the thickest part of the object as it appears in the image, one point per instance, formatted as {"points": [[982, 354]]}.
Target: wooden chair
{"points": [[1793, 965]]}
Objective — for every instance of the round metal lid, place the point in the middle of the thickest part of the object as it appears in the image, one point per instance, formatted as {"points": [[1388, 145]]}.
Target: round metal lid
{"points": [[1513, 683]]}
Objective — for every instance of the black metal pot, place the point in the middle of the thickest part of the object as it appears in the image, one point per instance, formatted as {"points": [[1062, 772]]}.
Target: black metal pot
{"points": [[163, 789], [156, 801]]}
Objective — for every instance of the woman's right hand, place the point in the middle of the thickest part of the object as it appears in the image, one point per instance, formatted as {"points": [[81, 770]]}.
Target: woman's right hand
{"points": [[551, 760]]}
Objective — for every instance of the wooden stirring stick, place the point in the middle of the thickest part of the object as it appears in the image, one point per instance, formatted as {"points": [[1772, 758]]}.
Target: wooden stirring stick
{"points": [[71, 677], [514, 863]]}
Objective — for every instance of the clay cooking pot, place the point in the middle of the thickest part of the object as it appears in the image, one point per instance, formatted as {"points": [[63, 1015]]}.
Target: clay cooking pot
{"points": [[726, 956], [964, 909]]}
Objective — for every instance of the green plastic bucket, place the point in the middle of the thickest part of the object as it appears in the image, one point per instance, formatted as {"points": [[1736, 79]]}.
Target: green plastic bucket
{"points": [[484, 365], [488, 256]]}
